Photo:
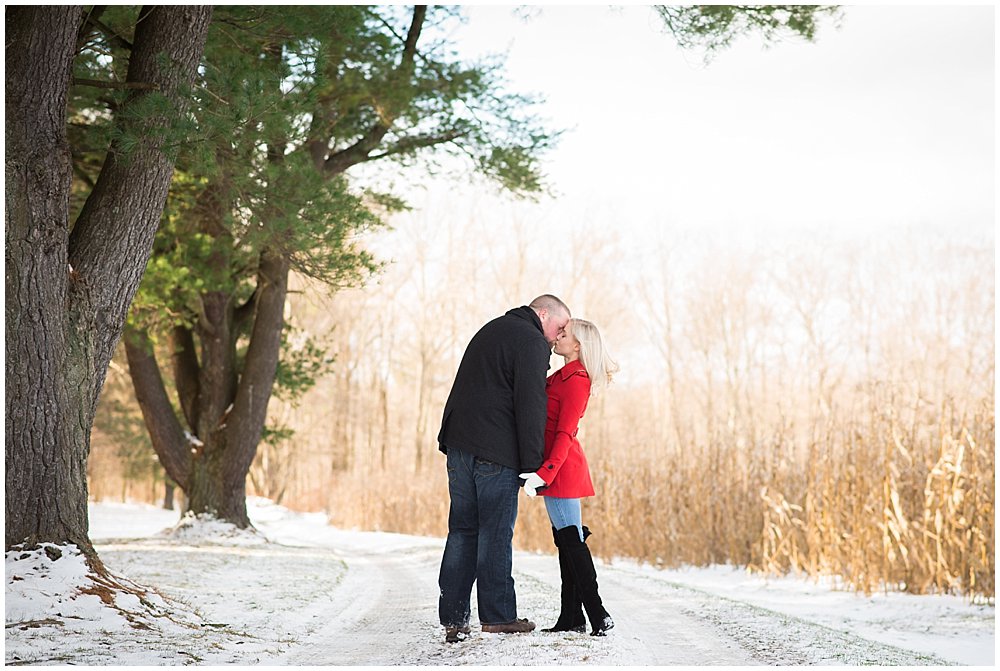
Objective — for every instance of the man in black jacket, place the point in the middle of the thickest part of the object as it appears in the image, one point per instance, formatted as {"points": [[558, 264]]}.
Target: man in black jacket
{"points": [[493, 429]]}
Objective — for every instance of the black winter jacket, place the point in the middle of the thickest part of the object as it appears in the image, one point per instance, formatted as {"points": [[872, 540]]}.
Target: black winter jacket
{"points": [[496, 409]]}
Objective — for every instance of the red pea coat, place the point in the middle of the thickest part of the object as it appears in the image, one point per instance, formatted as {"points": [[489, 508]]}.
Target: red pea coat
{"points": [[565, 469]]}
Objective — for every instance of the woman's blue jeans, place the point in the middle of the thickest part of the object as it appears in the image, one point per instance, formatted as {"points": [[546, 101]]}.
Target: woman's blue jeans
{"points": [[564, 513], [478, 549]]}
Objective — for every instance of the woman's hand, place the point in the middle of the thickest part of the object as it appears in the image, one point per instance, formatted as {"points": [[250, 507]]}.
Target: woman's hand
{"points": [[532, 483]]}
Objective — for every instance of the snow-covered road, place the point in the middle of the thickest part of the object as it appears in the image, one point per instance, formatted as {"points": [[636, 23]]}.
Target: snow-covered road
{"points": [[386, 615], [310, 594]]}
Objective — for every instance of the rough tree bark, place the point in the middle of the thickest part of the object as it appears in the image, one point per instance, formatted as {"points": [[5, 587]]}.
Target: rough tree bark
{"points": [[208, 451], [45, 494], [68, 292]]}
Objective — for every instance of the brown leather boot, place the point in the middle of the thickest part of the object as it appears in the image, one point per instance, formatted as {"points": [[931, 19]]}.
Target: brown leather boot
{"points": [[522, 626], [456, 634]]}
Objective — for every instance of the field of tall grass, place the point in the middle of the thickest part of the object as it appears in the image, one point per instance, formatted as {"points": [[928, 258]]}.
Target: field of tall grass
{"points": [[880, 505]]}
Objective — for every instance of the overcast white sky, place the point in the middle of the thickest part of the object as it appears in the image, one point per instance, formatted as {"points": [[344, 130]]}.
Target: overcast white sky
{"points": [[888, 120]]}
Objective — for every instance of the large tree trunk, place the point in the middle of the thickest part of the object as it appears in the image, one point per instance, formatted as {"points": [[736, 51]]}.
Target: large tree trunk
{"points": [[209, 460], [68, 293], [46, 489]]}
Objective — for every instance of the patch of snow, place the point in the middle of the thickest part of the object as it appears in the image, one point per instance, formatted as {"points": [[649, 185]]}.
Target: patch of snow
{"points": [[204, 529], [57, 610], [45, 583], [947, 626]]}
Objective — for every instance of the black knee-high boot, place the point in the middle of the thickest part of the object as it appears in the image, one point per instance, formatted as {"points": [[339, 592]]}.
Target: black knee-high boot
{"points": [[581, 564], [571, 610]]}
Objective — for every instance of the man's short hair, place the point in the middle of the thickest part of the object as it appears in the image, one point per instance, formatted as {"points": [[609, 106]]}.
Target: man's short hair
{"points": [[550, 303]]}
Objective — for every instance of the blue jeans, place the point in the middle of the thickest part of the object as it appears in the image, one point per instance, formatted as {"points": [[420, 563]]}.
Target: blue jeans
{"points": [[564, 513], [480, 533]]}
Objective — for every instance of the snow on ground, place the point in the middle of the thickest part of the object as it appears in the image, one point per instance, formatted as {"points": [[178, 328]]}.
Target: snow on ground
{"points": [[947, 626], [299, 592]]}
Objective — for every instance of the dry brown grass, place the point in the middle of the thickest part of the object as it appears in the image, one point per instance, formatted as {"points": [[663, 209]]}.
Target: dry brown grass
{"points": [[880, 511], [884, 512]]}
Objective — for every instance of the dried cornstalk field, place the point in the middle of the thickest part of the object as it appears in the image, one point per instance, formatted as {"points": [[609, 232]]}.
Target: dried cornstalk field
{"points": [[822, 407]]}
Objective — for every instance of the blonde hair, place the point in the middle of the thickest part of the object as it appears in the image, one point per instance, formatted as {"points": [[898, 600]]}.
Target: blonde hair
{"points": [[595, 359]]}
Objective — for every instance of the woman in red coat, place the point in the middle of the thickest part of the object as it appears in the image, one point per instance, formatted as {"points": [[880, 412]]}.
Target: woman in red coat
{"points": [[564, 476]]}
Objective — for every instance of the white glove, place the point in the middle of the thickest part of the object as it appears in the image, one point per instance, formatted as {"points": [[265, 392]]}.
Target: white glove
{"points": [[532, 482]]}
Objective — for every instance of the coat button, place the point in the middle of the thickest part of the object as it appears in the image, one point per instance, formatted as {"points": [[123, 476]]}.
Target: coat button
{"points": [[550, 467]]}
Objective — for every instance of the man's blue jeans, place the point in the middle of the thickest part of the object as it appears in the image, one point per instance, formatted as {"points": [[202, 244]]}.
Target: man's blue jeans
{"points": [[480, 533]]}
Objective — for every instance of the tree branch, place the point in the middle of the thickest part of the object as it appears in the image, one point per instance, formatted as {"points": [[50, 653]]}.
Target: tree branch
{"points": [[112, 237], [410, 45], [185, 361], [358, 152], [82, 174], [97, 83], [242, 313], [261, 362], [410, 144], [171, 444], [83, 34]]}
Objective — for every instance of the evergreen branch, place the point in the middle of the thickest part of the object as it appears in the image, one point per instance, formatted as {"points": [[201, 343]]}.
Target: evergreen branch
{"points": [[411, 144], [410, 45], [431, 65], [213, 95], [410, 41], [715, 27], [97, 83], [358, 152]]}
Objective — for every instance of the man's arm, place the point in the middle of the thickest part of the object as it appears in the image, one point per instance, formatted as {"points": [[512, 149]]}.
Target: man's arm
{"points": [[531, 361]]}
